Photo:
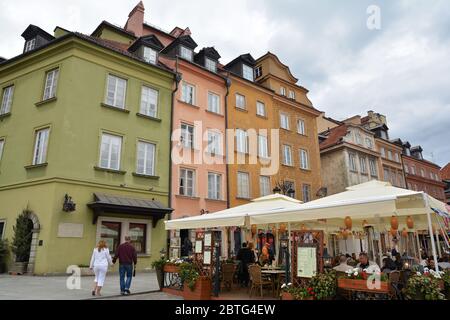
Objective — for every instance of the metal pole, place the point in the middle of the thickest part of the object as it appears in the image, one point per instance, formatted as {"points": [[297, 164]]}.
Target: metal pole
{"points": [[288, 256], [217, 271], [418, 245], [430, 229], [438, 243]]}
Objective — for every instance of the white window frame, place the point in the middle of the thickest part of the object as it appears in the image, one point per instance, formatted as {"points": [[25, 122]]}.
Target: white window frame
{"points": [[112, 137], [369, 143], [397, 157], [413, 170], [41, 138], [261, 109], [308, 188], [363, 164], [183, 174], [241, 141], [264, 186], [304, 159], [186, 53], [373, 167], [215, 190], [283, 91], [210, 64], [150, 55], [7, 98], [383, 152], [301, 127], [113, 100], [241, 98], [247, 72], [263, 147], [292, 94], [2, 147], [214, 102], [51, 84], [214, 146], [284, 121], [258, 71], [406, 168], [287, 155], [184, 93], [243, 191], [149, 101], [30, 44], [358, 138], [390, 155], [352, 162], [148, 156], [187, 135]]}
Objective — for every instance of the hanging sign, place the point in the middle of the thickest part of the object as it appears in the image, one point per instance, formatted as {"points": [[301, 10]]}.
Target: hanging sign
{"points": [[306, 262]]}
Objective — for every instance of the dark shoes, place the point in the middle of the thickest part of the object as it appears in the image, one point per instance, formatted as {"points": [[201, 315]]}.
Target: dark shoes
{"points": [[93, 292], [122, 293]]}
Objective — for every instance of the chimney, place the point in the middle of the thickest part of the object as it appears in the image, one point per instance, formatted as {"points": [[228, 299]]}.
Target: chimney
{"points": [[135, 22]]}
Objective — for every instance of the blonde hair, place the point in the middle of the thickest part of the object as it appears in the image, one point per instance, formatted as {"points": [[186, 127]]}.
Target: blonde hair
{"points": [[101, 245], [251, 245]]}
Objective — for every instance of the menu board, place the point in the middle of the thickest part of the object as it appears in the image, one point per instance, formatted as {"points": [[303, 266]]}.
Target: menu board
{"points": [[306, 262], [207, 257], [208, 239], [198, 246]]}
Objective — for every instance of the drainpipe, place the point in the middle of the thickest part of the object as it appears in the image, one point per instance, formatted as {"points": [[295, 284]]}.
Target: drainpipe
{"points": [[172, 106], [227, 84]]}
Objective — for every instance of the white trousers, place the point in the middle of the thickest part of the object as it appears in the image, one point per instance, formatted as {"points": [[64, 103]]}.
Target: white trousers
{"points": [[100, 274]]}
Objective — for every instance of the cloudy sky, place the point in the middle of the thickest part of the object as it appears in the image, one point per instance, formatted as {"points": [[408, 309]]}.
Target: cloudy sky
{"points": [[401, 70]]}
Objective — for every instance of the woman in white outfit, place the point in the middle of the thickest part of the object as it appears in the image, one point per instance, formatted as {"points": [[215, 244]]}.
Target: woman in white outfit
{"points": [[100, 261]]}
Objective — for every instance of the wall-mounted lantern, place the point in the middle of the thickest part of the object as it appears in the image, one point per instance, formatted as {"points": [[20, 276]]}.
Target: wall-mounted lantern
{"points": [[69, 205]]}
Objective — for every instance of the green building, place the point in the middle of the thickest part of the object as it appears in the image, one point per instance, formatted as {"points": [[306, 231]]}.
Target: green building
{"points": [[84, 145]]}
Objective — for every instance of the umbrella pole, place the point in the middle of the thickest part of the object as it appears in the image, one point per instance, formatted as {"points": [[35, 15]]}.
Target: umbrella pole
{"points": [[430, 229], [290, 248], [418, 245]]}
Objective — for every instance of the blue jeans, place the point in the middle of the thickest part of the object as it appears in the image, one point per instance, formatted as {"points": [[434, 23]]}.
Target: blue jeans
{"points": [[125, 269]]}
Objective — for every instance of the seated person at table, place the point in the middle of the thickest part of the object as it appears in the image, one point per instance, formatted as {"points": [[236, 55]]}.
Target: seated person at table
{"points": [[365, 264], [343, 266], [444, 263], [266, 258], [245, 257], [388, 265]]}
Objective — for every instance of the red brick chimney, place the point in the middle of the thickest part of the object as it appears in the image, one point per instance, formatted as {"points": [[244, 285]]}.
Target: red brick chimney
{"points": [[135, 22]]}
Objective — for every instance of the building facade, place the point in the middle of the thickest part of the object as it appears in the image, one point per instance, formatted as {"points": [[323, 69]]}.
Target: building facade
{"points": [[445, 177], [84, 122]]}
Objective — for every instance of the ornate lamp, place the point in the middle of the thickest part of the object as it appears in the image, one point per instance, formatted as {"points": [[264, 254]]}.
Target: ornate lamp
{"points": [[291, 193], [327, 259], [276, 190], [69, 205], [407, 262]]}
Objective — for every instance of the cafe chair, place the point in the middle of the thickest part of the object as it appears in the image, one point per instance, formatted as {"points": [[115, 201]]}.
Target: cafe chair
{"points": [[228, 270], [394, 285], [257, 281]]}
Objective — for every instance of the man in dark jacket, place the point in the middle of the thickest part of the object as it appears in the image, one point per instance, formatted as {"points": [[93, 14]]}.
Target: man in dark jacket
{"points": [[245, 257], [127, 256]]}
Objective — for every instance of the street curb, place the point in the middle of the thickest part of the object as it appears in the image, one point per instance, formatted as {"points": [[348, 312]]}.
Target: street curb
{"points": [[119, 295]]}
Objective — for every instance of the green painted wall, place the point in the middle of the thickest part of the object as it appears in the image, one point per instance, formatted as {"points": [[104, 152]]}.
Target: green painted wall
{"points": [[76, 119]]}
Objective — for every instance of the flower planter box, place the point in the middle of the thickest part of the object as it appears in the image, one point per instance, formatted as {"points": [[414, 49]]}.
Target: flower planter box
{"points": [[202, 290], [18, 268], [171, 268], [361, 285], [286, 296]]}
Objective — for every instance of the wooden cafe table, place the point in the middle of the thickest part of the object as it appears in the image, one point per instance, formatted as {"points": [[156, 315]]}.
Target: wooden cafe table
{"points": [[275, 275]]}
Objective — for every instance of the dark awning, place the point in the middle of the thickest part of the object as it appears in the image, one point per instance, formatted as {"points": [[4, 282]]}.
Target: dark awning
{"points": [[105, 203]]}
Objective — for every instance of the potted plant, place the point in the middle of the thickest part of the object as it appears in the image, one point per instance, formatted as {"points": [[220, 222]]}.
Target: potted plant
{"points": [[287, 291], [172, 266], [195, 286], [446, 279], [4, 255], [324, 286], [305, 293], [158, 265], [357, 280], [21, 243], [423, 287]]}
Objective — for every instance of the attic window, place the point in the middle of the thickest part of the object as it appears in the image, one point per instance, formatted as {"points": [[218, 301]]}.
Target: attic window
{"points": [[186, 53], [211, 65], [258, 71], [247, 72], [30, 44], [150, 55]]}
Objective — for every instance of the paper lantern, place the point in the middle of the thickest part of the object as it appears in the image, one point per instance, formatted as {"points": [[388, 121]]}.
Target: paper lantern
{"points": [[345, 234], [282, 228], [393, 232], [365, 223], [404, 233], [254, 228], [348, 222], [410, 222], [303, 227], [394, 222]]}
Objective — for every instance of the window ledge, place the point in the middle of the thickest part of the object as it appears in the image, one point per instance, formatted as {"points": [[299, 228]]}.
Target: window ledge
{"points": [[262, 117], [148, 117], [215, 113], [215, 200], [109, 170], [243, 198], [302, 134], [306, 170], [108, 106], [40, 103], [35, 166], [147, 176], [284, 129], [188, 104], [287, 165], [5, 115], [241, 109], [187, 197]]}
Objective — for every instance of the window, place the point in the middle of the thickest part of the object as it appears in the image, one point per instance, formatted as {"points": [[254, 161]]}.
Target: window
{"points": [[291, 94], [110, 151], [186, 53], [187, 177], [263, 150], [110, 233], [358, 138], [436, 177], [188, 93], [30, 44], [258, 71], [363, 165], [214, 186], [301, 127], [384, 135], [386, 174], [373, 167], [243, 185], [383, 152], [187, 135], [7, 98], [211, 65], [369, 143], [247, 72], [2, 144], [413, 170], [149, 102], [406, 168], [352, 160], [397, 157], [422, 173], [241, 141], [117, 88], [51, 80], [287, 155], [304, 159], [264, 186], [284, 121], [213, 102], [431, 175], [260, 109], [40, 146], [283, 91], [389, 154], [146, 158], [137, 233], [214, 142], [306, 190], [240, 101], [150, 55]]}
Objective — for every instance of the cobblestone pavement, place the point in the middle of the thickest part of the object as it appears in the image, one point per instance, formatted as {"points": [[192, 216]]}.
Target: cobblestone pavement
{"points": [[55, 288], [145, 296]]}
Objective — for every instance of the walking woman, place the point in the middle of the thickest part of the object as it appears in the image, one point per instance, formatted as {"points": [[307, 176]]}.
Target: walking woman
{"points": [[100, 261]]}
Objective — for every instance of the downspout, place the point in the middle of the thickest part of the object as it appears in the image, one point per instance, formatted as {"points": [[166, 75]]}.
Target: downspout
{"points": [[172, 106], [227, 84]]}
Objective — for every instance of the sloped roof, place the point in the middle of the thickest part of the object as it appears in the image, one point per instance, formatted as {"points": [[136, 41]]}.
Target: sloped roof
{"points": [[445, 172], [334, 136]]}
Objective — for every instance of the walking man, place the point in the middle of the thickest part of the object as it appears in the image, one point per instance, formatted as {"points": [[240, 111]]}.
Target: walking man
{"points": [[127, 256]]}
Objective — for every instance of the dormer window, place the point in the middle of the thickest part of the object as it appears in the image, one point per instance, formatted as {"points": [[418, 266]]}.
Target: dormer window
{"points": [[258, 71], [30, 44], [384, 135], [247, 72], [211, 65], [150, 55], [186, 53]]}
